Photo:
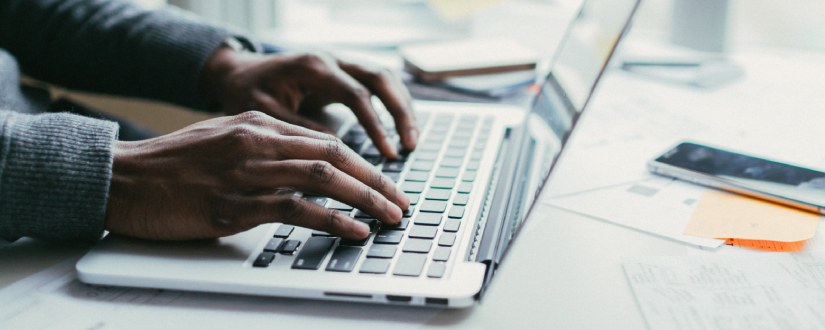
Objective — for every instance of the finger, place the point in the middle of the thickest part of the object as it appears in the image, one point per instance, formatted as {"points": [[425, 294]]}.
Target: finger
{"points": [[392, 92], [322, 178], [345, 89], [253, 211], [343, 158], [272, 106]]}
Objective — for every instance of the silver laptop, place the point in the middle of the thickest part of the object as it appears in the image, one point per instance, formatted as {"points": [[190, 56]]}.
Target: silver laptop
{"points": [[472, 180]]}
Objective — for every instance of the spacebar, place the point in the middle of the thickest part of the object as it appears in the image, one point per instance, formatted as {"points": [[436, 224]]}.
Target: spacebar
{"points": [[313, 253]]}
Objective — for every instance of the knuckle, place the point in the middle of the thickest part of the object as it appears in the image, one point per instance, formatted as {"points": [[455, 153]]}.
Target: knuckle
{"points": [[368, 197], [360, 93], [252, 117], [291, 209], [333, 220], [321, 172], [315, 62], [223, 217], [337, 152]]}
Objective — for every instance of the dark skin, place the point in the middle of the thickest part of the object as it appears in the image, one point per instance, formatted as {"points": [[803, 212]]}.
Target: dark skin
{"points": [[221, 176]]}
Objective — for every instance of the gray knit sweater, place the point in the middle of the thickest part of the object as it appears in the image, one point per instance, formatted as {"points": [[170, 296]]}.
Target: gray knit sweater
{"points": [[55, 169]]}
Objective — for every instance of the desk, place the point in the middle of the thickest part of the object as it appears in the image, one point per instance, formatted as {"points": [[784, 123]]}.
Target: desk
{"points": [[564, 270]]}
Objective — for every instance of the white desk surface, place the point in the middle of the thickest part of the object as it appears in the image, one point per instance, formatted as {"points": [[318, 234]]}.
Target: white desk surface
{"points": [[565, 270]]}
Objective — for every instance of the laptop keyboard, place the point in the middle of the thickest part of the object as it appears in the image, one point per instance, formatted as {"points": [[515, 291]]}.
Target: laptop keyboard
{"points": [[438, 177]]}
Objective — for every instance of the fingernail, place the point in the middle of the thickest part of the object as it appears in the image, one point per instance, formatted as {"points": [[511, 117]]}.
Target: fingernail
{"points": [[402, 198], [393, 211], [359, 228]]}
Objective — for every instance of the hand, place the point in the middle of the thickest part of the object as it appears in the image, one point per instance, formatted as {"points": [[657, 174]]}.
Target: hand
{"points": [[220, 177], [291, 87]]}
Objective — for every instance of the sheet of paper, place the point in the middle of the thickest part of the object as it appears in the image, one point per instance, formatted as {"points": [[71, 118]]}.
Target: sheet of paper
{"points": [[725, 215], [757, 291], [55, 299], [660, 206]]}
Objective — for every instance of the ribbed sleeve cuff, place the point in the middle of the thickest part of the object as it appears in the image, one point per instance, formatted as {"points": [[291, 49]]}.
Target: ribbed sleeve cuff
{"points": [[55, 171], [182, 44]]}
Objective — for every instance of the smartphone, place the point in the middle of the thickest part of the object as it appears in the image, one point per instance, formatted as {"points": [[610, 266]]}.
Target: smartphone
{"points": [[777, 182]]}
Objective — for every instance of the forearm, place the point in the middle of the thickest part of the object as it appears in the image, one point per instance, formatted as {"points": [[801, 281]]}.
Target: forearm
{"points": [[55, 171], [111, 47]]}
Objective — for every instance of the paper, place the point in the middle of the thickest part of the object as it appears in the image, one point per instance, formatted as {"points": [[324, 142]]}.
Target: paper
{"points": [[55, 299], [657, 205], [724, 215], [758, 291]]}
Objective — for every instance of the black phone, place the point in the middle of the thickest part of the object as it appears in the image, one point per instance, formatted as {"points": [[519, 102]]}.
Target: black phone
{"points": [[777, 182]]}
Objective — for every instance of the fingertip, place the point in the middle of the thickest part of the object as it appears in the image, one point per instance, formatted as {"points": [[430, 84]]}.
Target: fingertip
{"points": [[411, 139], [394, 212], [390, 151], [360, 229], [401, 197]]}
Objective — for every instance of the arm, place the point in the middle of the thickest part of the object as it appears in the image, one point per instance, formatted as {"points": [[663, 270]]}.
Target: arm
{"points": [[111, 47], [55, 171]]}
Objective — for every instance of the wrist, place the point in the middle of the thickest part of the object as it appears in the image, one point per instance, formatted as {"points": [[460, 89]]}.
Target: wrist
{"points": [[215, 75]]}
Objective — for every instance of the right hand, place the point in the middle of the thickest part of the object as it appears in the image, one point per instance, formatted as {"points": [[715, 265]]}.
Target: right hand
{"points": [[219, 177]]}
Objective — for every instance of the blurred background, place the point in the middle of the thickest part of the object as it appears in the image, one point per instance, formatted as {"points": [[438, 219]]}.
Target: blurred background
{"points": [[371, 30]]}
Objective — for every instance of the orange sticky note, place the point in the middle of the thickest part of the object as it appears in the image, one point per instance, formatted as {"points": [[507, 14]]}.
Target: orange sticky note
{"points": [[767, 245], [726, 215]]}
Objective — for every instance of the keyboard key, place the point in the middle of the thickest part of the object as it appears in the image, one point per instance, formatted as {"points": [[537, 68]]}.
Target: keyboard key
{"points": [[410, 264], [429, 219], [283, 231], [374, 160], [456, 212], [468, 176], [290, 246], [274, 244], [451, 162], [361, 214], [436, 269], [375, 266], [313, 253], [263, 259], [465, 187], [371, 151], [388, 237], [321, 233], [408, 212], [446, 239], [393, 166], [426, 155], [472, 165], [417, 176], [381, 251], [442, 253], [412, 187], [452, 225], [422, 165], [433, 206], [428, 146], [336, 205], [372, 223], [461, 199], [349, 242], [455, 153], [344, 259], [401, 225], [446, 172], [463, 134], [394, 176], [320, 200], [428, 232], [417, 245], [414, 198], [438, 194], [442, 183], [459, 143], [476, 155]]}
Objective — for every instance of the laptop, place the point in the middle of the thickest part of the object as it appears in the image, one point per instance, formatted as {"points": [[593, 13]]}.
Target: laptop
{"points": [[472, 181]]}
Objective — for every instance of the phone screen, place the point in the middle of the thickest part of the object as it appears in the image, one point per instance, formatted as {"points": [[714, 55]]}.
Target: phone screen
{"points": [[762, 175]]}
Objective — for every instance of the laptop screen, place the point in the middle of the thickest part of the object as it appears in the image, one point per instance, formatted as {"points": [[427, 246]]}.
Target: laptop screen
{"points": [[576, 68]]}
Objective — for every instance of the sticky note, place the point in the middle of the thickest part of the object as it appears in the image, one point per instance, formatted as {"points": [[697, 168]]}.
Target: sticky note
{"points": [[725, 215], [767, 245]]}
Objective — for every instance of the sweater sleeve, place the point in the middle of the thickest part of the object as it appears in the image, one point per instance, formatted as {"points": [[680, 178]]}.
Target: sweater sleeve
{"points": [[55, 171], [112, 47]]}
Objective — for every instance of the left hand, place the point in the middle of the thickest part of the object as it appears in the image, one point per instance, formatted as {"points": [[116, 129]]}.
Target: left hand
{"points": [[290, 87]]}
